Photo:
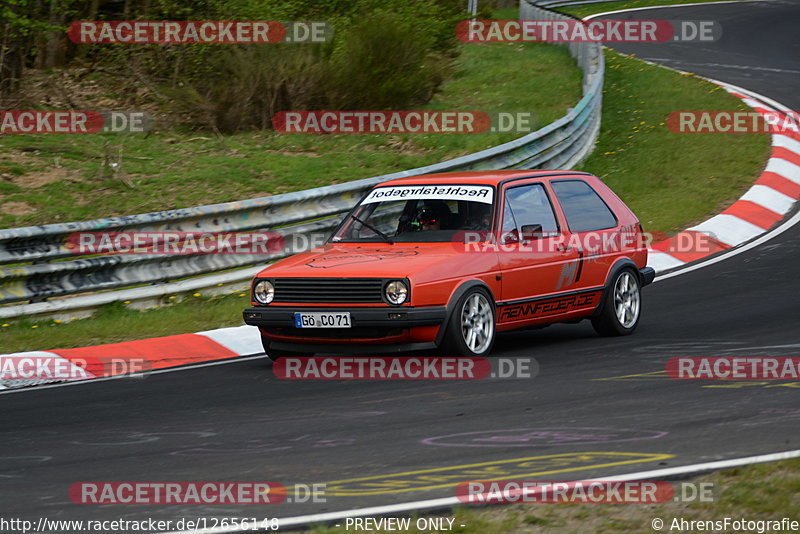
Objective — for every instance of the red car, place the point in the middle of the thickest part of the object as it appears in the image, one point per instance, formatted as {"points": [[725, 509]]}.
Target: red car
{"points": [[448, 260]]}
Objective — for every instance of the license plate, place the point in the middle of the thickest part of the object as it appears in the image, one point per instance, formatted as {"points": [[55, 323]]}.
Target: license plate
{"points": [[322, 320]]}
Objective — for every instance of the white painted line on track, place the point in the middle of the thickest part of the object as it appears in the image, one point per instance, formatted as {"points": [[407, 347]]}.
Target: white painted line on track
{"points": [[432, 504], [777, 139], [448, 502], [234, 359], [774, 103], [590, 17], [734, 251], [664, 260], [755, 104]]}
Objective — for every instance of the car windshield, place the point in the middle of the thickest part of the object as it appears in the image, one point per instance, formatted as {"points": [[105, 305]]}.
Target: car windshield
{"points": [[419, 213]]}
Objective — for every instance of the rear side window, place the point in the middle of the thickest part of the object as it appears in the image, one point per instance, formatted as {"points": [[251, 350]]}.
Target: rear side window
{"points": [[584, 209]]}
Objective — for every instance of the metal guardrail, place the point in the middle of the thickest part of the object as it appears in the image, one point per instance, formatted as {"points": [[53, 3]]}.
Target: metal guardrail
{"points": [[550, 4], [39, 266]]}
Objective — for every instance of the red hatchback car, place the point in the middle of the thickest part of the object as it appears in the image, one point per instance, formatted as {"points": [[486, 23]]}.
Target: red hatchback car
{"points": [[448, 260]]}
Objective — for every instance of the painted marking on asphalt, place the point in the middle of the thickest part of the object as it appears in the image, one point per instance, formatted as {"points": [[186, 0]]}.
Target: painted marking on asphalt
{"points": [[664, 261], [542, 437], [723, 384], [452, 501], [447, 477], [440, 396], [448, 502], [763, 384], [653, 375], [772, 176]]}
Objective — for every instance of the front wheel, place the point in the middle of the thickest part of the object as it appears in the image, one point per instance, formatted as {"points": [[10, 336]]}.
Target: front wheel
{"points": [[622, 306], [471, 330]]}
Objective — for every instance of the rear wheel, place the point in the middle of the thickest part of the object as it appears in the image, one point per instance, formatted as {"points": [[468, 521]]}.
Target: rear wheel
{"points": [[471, 330], [622, 306]]}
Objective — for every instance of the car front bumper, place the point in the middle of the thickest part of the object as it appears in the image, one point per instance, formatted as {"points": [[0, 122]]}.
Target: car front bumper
{"points": [[373, 330], [647, 275], [400, 317]]}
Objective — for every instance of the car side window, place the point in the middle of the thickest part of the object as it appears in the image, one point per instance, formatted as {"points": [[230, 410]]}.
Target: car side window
{"points": [[584, 209], [530, 206], [509, 224]]}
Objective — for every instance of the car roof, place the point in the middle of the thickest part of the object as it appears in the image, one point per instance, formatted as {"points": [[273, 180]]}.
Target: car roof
{"points": [[479, 177]]}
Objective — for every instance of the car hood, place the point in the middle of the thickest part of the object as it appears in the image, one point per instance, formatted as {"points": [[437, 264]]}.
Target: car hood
{"points": [[422, 261]]}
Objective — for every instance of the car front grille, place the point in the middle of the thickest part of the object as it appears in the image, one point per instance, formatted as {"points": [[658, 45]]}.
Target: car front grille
{"points": [[328, 290]]}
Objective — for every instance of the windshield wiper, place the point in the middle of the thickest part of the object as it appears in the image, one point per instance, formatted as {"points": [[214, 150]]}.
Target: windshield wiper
{"points": [[381, 234]]}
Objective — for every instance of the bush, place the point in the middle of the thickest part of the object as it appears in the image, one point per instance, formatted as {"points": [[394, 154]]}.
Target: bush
{"points": [[388, 54], [250, 84], [383, 63]]}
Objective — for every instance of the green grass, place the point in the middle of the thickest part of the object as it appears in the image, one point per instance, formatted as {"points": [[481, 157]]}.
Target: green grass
{"points": [[198, 169], [590, 9], [508, 13], [761, 492], [57, 176], [116, 322], [670, 180]]}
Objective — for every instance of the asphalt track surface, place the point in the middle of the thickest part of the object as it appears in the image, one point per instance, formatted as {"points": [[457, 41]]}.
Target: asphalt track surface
{"points": [[238, 422]]}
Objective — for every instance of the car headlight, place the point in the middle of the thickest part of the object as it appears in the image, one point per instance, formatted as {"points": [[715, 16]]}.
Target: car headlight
{"points": [[396, 292], [264, 292]]}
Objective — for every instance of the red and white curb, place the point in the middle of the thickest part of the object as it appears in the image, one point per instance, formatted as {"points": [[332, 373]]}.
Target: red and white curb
{"points": [[761, 208], [145, 354]]}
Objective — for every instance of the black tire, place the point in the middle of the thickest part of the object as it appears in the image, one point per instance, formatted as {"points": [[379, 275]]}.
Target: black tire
{"points": [[621, 306], [481, 322], [276, 354]]}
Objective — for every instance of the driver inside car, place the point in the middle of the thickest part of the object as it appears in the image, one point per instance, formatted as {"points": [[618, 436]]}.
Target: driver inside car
{"points": [[430, 216]]}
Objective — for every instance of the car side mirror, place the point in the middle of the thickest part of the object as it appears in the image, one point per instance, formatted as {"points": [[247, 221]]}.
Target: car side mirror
{"points": [[509, 237], [531, 231]]}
